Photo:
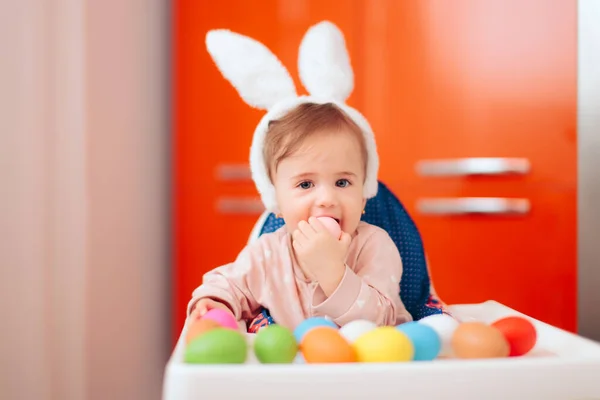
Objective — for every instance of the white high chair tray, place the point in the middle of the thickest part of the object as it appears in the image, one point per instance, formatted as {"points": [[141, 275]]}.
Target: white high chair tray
{"points": [[561, 366]]}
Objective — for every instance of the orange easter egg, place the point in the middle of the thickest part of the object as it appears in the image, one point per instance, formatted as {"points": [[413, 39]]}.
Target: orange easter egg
{"points": [[198, 327], [324, 344], [478, 340]]}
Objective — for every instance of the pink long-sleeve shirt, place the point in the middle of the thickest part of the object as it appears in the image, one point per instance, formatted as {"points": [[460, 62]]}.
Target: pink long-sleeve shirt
{"points": [[265, 274]]}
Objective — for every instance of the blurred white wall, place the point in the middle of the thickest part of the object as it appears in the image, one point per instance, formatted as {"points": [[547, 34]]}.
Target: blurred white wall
{"points": [[588, 185], [84, 201]]}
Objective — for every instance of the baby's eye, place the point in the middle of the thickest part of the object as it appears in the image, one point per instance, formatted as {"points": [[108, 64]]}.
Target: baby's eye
{"points": [[305, 185], [342, 183]]}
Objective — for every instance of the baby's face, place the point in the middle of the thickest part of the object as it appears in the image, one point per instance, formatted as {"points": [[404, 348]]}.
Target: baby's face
{"points": [[325, 177]]}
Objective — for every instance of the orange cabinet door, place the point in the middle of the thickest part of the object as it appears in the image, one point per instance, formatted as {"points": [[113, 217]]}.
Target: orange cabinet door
{"points": [[437, 81], [447, 81], [213, 126]]}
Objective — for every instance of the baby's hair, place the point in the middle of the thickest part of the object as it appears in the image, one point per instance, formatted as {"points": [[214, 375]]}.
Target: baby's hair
{"points": [[286, 135]]}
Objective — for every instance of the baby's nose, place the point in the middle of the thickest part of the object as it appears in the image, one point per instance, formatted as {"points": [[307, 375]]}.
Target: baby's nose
{"points": [[327, 197]]}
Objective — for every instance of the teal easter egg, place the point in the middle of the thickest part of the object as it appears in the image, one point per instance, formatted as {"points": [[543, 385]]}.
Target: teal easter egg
{"points": [[426, 341], [217, 346], [310, 323], [275, 344]]}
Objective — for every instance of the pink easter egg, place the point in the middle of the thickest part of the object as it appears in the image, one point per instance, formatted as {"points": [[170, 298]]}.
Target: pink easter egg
{"points": [[222, 317], [331, 225]]}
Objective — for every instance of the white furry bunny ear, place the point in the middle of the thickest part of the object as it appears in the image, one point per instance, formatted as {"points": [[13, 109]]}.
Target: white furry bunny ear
{"points": [[324, 64], [256, 73]]}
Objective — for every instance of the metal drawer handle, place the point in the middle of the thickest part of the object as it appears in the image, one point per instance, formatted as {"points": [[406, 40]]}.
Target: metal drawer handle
{"points": [[240, 206], [233, 172], [473, 166], [473, 205]]}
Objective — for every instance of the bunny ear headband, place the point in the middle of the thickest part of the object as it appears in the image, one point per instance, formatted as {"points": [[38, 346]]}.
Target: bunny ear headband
{"points": [[264, 83]]}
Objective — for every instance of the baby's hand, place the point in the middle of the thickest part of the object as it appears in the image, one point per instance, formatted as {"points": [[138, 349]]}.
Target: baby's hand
{"points": [[202, 306], [321, 256]]}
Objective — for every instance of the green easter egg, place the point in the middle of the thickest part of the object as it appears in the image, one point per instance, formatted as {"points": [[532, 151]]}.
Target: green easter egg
{"points": [[275, 344], [217, 346]]}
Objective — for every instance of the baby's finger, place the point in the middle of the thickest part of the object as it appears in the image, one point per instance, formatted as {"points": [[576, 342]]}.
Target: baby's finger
{"points": [[298, 236], [316, 224], [195, 314], [306, 229], [345, 239], [297, 240], [202, 309]]}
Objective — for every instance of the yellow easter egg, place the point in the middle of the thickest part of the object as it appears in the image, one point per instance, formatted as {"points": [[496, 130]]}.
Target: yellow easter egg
{"points": [[384, 344]]}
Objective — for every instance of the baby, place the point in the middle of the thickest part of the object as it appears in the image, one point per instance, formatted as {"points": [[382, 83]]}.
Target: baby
{"points": [[316, 159]]}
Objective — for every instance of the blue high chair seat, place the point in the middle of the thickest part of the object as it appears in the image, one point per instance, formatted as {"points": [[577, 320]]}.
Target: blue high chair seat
{"points": [[387, 212]]}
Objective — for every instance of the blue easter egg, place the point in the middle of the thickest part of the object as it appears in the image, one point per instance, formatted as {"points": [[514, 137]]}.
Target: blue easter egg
{"points": [[426, 341], [310, 323]]}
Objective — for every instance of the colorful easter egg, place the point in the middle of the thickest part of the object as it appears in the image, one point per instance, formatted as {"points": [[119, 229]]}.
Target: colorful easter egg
{"points": [[519, 332], [332, 226], [426, 342], [355, 329], [199, 327], [478, 340], [324, 344], [444, 325], [311, 323], [383, 344], [217, 346], [222, 317], [275, 344]]}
